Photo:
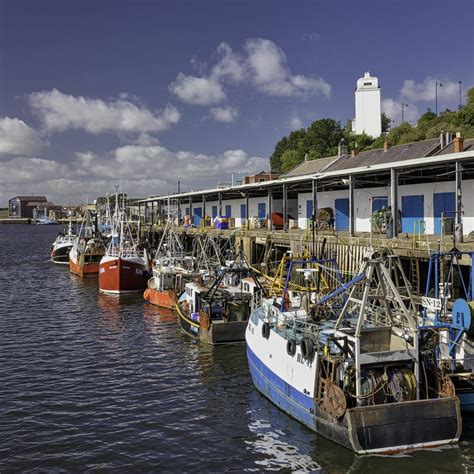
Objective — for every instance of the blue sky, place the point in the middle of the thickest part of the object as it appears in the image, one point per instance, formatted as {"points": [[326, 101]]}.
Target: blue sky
{"points": [[140, 92]]}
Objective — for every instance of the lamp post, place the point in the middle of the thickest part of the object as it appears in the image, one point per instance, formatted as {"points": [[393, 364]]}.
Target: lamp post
{"points": [[436, 94], [403, 109], [179, 184], [460, 102]]}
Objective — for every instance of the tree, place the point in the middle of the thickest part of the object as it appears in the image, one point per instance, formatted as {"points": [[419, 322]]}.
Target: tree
{"points": [[290, 160], [386, 121], [323, 137]]}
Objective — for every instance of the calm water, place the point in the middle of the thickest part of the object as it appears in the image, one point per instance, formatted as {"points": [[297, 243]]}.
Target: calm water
{"points": [[91, 382]]}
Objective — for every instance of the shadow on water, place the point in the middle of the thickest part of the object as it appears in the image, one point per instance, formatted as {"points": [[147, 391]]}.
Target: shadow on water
{"points": [[98, 382]]}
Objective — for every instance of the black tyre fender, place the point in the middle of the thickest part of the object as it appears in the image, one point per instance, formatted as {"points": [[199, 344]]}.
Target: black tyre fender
{"points": [[266, 330], [307, 348], [291, 347]]}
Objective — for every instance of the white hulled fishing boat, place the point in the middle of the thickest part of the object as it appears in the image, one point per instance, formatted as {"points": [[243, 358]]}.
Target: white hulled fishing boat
{"points": [[353, 366], [62, 246]]}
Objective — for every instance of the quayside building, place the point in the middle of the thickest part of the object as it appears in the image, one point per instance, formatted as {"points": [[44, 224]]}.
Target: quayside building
{"points": [[426, 187]]}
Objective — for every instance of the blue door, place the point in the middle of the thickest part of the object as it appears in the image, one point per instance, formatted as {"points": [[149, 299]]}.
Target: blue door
{"points": [[228, 210], [197, 216], [262, 211], [412, 211], [444, 204], [243, 214], [309, 209], [342, 213], [214, 212], [379, 203]]}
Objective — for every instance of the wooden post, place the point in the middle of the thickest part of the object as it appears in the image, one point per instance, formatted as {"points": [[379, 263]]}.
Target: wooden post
{"points": [[285, 207]]}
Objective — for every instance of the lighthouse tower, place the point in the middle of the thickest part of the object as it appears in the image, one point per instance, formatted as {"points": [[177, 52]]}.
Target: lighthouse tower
{"points": [[368, 117]]}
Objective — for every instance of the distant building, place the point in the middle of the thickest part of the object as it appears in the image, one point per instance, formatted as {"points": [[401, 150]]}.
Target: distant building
{"points": [[18, 206], [260, 177], [368, 114]]}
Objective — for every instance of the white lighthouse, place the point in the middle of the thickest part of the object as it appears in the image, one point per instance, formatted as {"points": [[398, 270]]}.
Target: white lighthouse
{"points": [[368, 117]]}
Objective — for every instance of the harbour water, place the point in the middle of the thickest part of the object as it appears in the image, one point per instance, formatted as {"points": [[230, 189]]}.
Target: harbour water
{"points": [[94, 382]]}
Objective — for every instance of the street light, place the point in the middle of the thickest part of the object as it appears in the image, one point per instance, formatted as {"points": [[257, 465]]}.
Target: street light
{"points": [[436, 94], [403, 108], [460, 102], [179, 184]]}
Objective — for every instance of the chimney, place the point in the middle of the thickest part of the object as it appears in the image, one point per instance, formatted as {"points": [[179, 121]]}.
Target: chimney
{"points": [[306, 157], [449, 138], [442, 143], [354, 152], [458, 143], [386, 145], [342, 148]]}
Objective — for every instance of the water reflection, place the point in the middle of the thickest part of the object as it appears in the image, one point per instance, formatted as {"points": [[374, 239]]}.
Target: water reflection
{"points": [[278, 453]]}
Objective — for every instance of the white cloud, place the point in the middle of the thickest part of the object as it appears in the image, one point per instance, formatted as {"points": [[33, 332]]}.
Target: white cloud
{"points": [[59, 112], [262, 65], [393, 110], [224, 114], [271, 75], [426, 91], [17, 138], [143, 170], [230, 65], [197, 90], [295, 122]]}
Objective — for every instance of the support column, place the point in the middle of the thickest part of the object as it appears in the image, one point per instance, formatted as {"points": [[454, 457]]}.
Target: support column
{"points": [[159, 211], [204, 209], [152, 213], [315, 203], [191, 210], [140, 213], [458, 230], [247, 210], [178, 206], [285, 207], [351, 206], [270, 210], [314, 216], [219, 206], [394, 200], [458, 192]]}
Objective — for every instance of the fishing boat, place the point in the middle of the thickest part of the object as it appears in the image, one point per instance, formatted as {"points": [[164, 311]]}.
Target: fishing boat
{"points": [[125, 266], [46, 221], [171, 269], [87, 250], [218, 312], [448, 309], [63, 245], [353, 366]]}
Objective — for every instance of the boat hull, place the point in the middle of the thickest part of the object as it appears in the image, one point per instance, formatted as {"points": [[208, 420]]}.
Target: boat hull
{"points": [[384, 429], [219, 332], [60, 255], [118, 275], [163, 299], [79, 264]]}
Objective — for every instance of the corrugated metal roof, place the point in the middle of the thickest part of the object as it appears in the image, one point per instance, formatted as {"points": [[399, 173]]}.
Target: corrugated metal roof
{"points": [[394, 154], [311, 166]]}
